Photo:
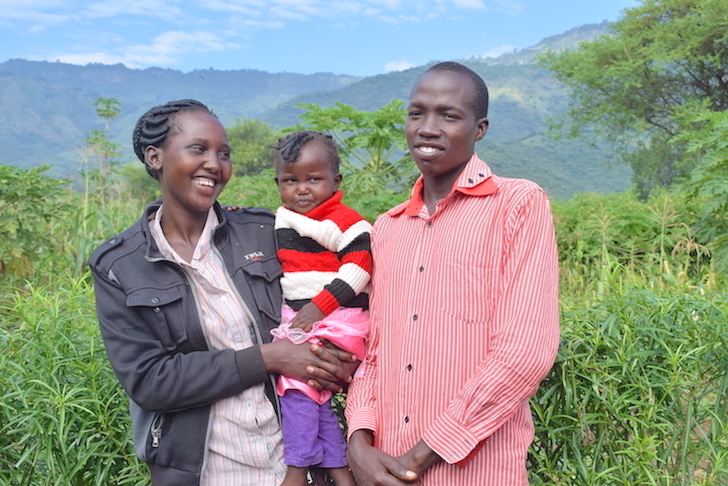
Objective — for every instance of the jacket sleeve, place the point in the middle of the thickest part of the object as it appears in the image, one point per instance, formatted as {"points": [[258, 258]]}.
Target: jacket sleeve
{"points": [[524, 343], [155, 376]]}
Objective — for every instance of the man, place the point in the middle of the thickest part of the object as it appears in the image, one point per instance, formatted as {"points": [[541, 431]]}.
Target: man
{"points": [[463, 306]]}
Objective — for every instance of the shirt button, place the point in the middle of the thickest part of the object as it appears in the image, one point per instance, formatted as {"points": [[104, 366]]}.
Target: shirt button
{"points": [[155, 300], [409, 367], [414, 317], [429, 223], [422, 269], [406, 419]]}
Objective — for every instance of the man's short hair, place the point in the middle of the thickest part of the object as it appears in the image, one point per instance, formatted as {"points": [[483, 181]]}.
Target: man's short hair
{"points": [[480, 103]]}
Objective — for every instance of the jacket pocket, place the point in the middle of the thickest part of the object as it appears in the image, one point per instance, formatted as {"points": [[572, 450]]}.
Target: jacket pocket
{"points": [[162, 308], [263, 277]]}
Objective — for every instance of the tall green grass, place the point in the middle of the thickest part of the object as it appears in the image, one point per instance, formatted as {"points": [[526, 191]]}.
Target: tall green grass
{"points": [[639, 393], [63, 418], [637, 396]]}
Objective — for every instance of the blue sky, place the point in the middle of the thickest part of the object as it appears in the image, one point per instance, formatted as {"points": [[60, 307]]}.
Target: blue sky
{"points": [[357, 37]]}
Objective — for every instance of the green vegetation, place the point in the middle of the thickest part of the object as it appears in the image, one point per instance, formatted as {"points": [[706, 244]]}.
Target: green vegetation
{"points": [[638, 395], [639, 392], [660, 68]]}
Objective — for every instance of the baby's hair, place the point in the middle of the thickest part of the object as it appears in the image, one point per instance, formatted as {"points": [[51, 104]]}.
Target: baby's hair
{"points": [[157, 124], [480, 103], [289, 148]]}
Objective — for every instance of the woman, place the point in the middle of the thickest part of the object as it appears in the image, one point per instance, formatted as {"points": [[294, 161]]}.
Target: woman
{"points": [[186, 298]]}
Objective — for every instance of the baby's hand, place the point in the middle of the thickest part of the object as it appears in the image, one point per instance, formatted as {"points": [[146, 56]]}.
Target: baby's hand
{"points": [[231, 207], [307, 316]]}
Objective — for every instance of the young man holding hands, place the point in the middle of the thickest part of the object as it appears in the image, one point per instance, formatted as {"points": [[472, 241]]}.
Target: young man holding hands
{"points": [[463, 306]]}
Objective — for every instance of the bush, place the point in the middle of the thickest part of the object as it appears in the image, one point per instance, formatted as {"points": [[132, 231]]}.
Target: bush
{"points": [[63, 418], [639, 394]]}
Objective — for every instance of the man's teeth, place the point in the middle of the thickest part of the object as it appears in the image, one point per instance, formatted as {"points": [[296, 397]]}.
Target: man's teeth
{"points": [[205, 182], [428, 150]]}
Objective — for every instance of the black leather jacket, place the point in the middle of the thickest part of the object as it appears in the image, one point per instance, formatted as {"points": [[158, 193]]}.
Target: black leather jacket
{"points": [[150, 323]]}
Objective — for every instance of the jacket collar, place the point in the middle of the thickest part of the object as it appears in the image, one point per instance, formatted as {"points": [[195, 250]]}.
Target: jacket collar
{"points": [[152, 252]]}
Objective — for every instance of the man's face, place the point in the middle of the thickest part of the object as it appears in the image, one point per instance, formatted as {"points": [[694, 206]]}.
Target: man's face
{"points": [[441, 126]]}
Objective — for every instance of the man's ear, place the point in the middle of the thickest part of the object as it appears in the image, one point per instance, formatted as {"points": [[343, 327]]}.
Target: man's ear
{"points": [[482, 128], [153, 157]]}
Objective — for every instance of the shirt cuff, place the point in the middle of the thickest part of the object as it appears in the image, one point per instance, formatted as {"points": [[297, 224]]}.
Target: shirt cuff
{"points": [[450, 440], [363, 418]]}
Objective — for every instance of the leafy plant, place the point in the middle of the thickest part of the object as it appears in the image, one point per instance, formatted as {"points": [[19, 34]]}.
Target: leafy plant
{"points": [[27, 203], [639, 394]]}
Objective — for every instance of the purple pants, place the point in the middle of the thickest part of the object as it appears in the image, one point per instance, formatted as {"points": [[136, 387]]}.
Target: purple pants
{"points": [[311, 432]]}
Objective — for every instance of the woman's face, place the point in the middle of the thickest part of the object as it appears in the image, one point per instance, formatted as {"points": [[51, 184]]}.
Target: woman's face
{"points": [[194, 163]]}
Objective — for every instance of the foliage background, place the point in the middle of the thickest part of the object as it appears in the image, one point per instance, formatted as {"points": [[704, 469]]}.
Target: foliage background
{"points": [[639, 392]]}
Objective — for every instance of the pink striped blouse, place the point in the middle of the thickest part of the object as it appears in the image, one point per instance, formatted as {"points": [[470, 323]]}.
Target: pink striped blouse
{"points": [[464, 327]]}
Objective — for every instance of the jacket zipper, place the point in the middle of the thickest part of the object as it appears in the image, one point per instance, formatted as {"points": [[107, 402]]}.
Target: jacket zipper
{"points": [[157, 430]]}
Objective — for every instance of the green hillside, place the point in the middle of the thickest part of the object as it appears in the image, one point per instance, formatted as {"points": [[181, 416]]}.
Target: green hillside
{"points": [[46, 109]]}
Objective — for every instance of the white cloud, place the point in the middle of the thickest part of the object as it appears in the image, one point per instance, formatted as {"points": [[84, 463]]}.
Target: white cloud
{"points": [[398, 66], [499, 50], [35, 13], [150, 8], [165, 50]]}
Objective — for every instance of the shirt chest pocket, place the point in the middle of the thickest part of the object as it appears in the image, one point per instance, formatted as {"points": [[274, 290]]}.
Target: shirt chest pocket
{"points": [[163, 310], [470, 293]]}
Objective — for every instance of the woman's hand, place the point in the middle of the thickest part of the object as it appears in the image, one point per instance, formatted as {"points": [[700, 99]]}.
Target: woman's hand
{"points": [[322, 367]]}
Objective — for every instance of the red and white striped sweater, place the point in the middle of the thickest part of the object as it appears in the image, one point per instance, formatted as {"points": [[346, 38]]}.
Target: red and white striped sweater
{"points": [[326, 256]]}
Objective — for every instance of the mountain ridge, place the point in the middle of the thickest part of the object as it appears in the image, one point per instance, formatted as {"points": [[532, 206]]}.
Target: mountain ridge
{"points": [[47, 108]]}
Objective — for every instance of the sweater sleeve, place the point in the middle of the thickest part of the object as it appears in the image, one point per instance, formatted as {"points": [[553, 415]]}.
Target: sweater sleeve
{"points": [[354, 252]]}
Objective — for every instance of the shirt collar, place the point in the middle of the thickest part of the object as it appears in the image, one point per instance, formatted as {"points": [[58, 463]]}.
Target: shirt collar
{"points": [[203, 244], [476, 179]]}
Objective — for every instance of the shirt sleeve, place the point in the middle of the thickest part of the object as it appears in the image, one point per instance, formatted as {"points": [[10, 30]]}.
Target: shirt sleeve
{"points": [[524, 341]]}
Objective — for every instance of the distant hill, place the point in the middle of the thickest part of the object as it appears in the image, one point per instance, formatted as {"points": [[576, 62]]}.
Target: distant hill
{"points": [[46, 109]]}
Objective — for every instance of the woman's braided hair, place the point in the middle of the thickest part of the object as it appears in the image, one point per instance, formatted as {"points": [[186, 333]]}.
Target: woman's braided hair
{"points": [[289, 148], [156, 124]]}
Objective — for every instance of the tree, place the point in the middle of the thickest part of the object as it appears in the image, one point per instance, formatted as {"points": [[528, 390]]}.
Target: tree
{"points": [[251, 142], [98, 140], [108, 109], [709, 184], [27, 204], [663, 63]]}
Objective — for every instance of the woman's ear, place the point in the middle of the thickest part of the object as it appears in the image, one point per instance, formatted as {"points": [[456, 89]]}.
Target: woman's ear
{"points": [[153, 157]]}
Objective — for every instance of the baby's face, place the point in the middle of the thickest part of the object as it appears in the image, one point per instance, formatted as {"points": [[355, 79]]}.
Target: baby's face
{"points": [[309, 181]]}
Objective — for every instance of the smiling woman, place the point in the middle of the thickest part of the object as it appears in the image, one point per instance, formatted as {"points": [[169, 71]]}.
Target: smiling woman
{"points": [[186, 315]]}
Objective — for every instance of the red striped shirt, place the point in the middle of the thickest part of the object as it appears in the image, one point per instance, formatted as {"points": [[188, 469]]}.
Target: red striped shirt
{"points": [[464, 310]]}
